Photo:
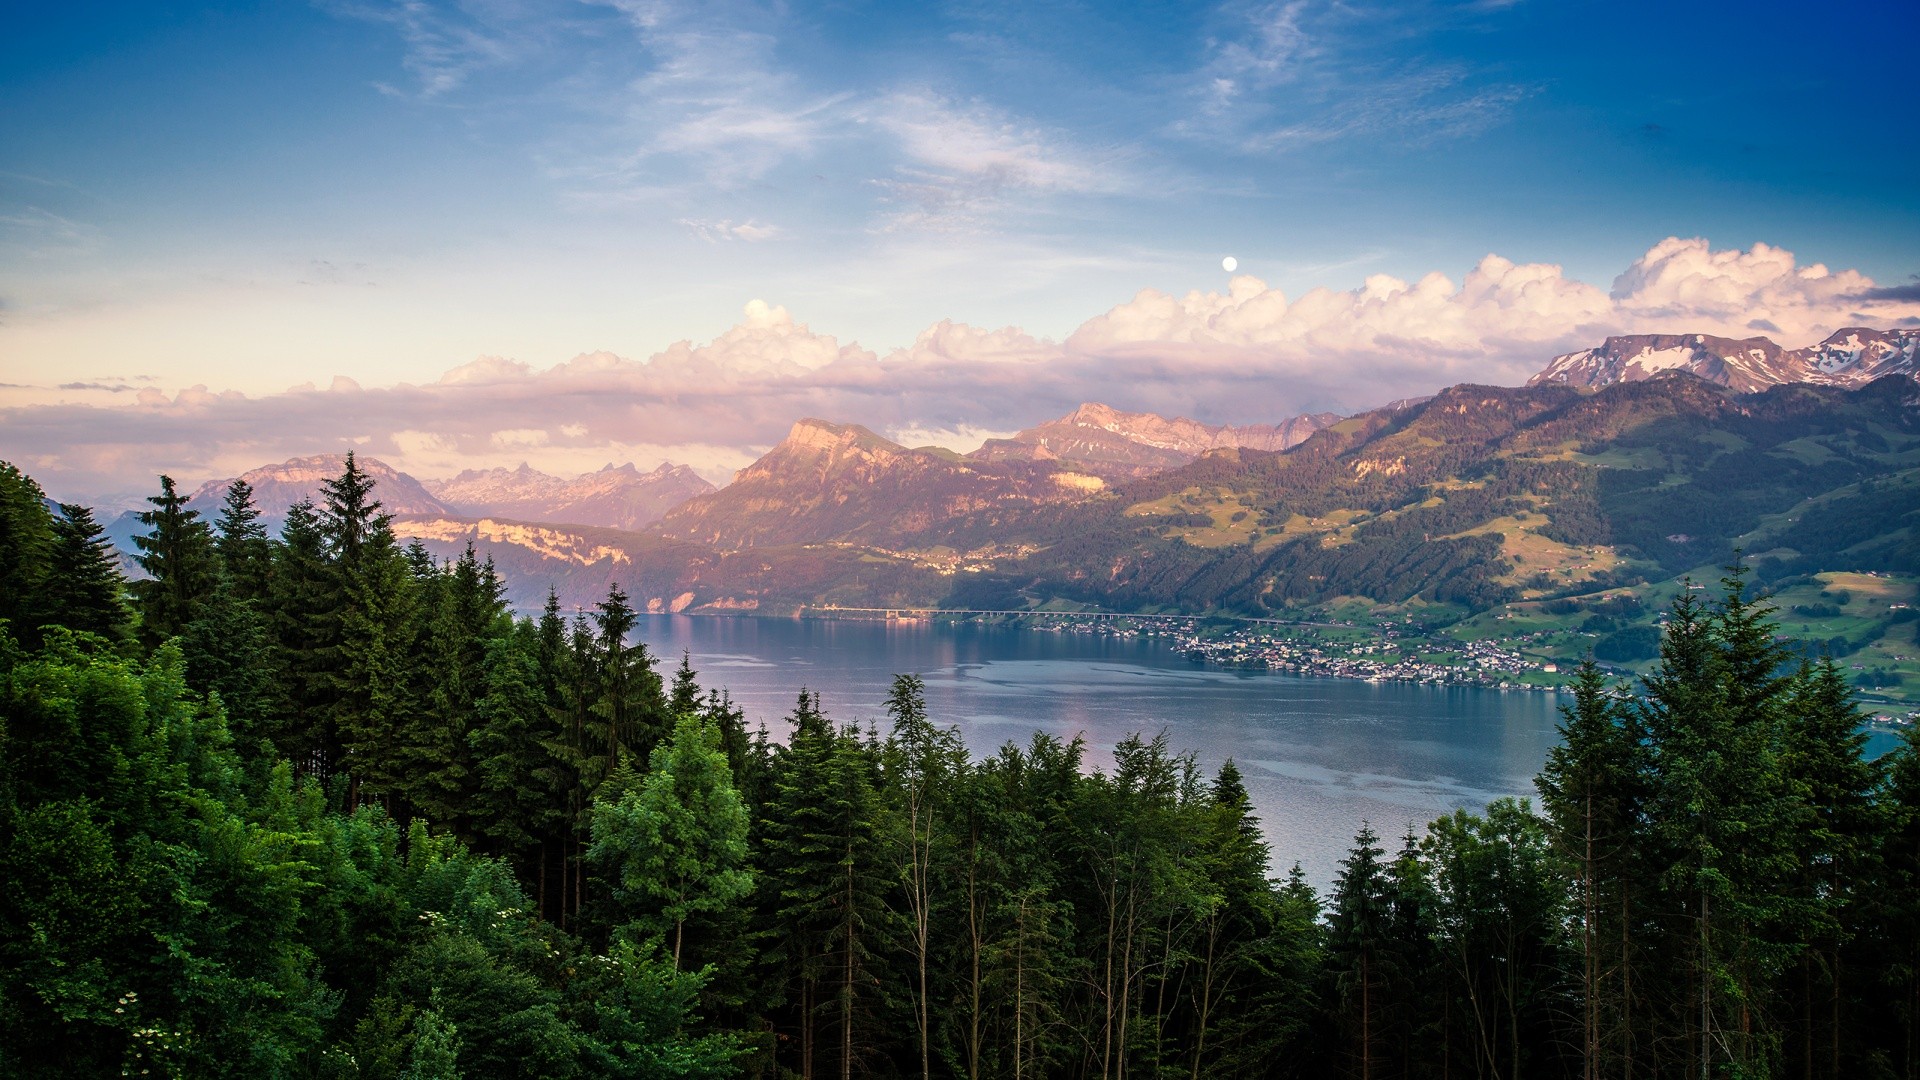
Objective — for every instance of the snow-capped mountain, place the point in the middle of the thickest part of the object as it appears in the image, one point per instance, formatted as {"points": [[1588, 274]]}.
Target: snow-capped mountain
{"points": [[618, 496], [1851, 357]]}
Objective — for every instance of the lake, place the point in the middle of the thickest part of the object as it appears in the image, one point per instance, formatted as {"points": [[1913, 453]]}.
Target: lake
{"points": [[1319, 755]]}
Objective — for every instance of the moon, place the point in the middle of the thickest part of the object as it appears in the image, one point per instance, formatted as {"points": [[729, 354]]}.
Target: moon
{"points": [[1229, 264]]}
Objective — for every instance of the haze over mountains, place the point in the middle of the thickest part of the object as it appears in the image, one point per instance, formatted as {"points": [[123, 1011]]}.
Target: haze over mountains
{"points": [[1112, 442], [618, 496]]}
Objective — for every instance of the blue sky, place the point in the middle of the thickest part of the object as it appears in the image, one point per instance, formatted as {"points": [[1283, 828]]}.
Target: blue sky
{"points": [[252, 197]]}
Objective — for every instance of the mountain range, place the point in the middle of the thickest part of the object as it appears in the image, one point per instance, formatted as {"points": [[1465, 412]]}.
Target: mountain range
{"points": [[1112, 443], [1851, 357], [1639, 460], [618, 496]]}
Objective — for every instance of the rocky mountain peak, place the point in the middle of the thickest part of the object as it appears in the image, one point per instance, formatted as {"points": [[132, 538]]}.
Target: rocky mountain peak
{"points": [[1849, 357]]}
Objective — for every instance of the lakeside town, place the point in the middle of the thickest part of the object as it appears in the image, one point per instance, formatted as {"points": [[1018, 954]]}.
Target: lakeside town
{"points": [[1344, 650]]}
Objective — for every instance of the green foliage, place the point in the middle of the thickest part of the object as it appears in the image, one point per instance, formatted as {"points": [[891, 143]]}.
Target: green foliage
{"points": [[177, 554], [339, 823], [677, 845], [1629, 646]]}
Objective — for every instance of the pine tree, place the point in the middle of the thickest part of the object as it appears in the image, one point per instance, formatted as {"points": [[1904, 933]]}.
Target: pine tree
{"points": [[177, 554], [26, 541], [1356, 927], [375, 634], [1409, 962], [84, 586], [1895, 928], [229, 651], [822, 831], [463, 613], [307, 605], [246, 554], [350, 516], [1592, 788], [630, 706], [1836, 835], [1236, 915]]}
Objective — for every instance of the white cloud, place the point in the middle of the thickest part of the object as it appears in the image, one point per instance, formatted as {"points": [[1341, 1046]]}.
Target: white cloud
{"points": [[485, 369], [967, 161], [1247, 353], [749, 231], [961, 439], [518, 438], [1683, 286]]}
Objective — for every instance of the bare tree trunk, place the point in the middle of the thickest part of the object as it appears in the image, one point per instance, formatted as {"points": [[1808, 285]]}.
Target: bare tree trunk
{"points": [[975, 947], [1591, 972], [1706, 996], [1206, 998], [846, 989], [1366, 1018], [1020, 988], [806, 1029]]}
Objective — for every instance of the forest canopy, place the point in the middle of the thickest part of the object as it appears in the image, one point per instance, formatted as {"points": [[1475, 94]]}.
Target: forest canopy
{"points": [[321, 805]]}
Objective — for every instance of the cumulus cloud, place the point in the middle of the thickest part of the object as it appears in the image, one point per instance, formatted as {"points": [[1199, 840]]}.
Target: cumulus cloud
{"points": [[1245, 354]]}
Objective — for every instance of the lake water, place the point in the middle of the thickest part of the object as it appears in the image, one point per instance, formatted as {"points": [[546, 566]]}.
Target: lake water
{"points": [[1319, 755]]}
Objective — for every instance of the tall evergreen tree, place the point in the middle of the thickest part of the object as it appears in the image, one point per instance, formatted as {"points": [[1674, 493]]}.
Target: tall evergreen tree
{"points": [[1356, 929], [246, 554], [26, 540], [307, 603], [1592, 789], [630, 707], [84, 586], [177, 554], [822, 831], [1836, 837]]}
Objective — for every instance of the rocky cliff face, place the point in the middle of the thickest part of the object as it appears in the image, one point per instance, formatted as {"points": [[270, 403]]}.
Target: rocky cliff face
{"points": [[841, 482], [1139, 444], [1851, 357]]}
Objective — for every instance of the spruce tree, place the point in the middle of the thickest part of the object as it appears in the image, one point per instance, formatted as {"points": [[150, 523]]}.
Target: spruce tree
{"points": [[1592, 788], [1356, 928], [246, 554], [630, 706], [26, 541], [307, 605], [84, 586], [1836, 837], [177, 554]]}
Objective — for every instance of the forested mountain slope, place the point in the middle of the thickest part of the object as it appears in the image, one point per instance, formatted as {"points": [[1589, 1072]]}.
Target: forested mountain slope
{"points": [[1484, 494]]}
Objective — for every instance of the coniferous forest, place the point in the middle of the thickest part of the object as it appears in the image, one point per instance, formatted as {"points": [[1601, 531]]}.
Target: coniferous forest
{"points": [[320, 805]]}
